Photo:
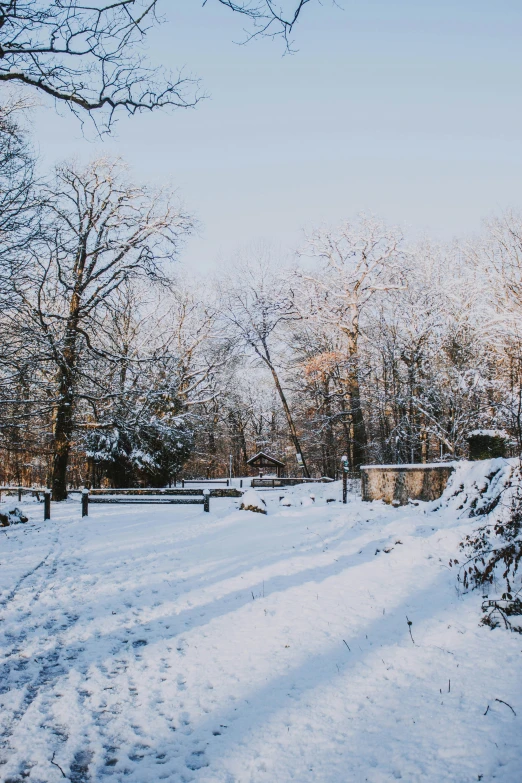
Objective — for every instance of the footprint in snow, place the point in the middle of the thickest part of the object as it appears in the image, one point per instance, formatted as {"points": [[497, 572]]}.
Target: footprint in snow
{"points": [[79, 770], [197, 760], [423, 531]]}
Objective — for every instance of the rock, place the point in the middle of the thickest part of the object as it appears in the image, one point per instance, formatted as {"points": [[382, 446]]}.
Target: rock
{"points": [[252, 501], [13, 517]]}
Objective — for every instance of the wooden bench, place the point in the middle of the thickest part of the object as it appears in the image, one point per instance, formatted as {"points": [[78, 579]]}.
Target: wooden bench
{"points": [[141, 496], [134, 499], [204, 481]]}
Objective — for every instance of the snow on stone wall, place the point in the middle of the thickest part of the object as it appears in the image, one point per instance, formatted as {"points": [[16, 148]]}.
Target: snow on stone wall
{"points": [[398, 484]]}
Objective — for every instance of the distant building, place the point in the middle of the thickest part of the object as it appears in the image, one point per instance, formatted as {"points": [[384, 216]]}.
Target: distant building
{"points": [[264, 463]]}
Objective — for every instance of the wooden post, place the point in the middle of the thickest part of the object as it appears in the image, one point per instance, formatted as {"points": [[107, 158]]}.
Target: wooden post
{"points": [[227, 482], [85, 503], [240, 483], [19, 494], [206, 500], [47, 504], [183, 482]]}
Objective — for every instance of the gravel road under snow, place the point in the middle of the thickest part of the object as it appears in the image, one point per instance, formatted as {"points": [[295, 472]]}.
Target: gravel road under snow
{"points": [[162, 643]]}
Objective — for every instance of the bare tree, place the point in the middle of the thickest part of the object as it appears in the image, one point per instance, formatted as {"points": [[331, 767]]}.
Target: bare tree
{"points": [[157, 355], [498, 258], [17, 196], [358, 260], [87, 55], [18, 223], [90, 55], [257, 304], [99, 232], [268, 18]]}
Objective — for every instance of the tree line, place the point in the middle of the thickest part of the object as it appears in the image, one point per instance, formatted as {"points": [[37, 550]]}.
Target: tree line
{"points": [[118, 366]]}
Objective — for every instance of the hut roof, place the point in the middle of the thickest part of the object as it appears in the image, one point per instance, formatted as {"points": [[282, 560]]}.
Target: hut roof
{"points": [[261, 456]]}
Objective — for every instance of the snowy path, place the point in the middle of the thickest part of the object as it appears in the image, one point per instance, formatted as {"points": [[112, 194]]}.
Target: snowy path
{"points": [[162, 643]]}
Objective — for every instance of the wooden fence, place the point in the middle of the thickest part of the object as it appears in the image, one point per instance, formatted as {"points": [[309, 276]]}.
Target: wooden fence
{"points": [[35, 491], [159, 498], [141, 496], [289, 481], [205, 481]]}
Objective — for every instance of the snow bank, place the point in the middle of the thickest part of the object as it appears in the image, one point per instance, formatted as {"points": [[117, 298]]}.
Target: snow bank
{"points": [[409, 466], [477, 488], [252, 501], [161, 643], [490, 552]]}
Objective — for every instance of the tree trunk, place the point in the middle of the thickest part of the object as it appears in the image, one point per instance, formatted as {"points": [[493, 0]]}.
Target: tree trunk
{"points": [[63, 430], [63, 422], [329, 440], [265, 356], [359, 437], [237, 438], [288, 414]]}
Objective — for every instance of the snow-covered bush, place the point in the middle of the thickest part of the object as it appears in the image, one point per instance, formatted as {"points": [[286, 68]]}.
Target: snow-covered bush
{"points": [[13, 517], [493, 552], [110, 451], [252, 501], [162, 447], [485, 444], [153, 451]]}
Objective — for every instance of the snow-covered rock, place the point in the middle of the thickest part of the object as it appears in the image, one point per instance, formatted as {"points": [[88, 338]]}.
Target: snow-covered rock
{"points": [[286, 501], [252, 501], [13, 517]]}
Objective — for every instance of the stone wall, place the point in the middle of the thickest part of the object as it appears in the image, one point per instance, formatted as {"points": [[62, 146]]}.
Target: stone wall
{"points": [[399, 483]]}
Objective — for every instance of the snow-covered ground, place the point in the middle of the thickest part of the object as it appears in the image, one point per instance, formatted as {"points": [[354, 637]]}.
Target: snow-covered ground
{"points": [[160, 643]]}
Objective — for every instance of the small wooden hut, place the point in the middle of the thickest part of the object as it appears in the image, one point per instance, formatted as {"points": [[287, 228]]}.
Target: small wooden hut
{"points": [[264, 462]]}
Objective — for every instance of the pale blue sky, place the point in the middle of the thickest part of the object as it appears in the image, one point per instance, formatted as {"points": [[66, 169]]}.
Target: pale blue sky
{"points": [[409, 109]]}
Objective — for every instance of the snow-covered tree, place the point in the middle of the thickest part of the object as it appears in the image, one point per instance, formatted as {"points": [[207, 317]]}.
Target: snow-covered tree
{"points": [[357, 262], [98, 232]]}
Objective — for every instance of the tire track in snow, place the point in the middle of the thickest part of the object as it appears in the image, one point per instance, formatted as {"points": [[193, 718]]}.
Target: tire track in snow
{"points": [[36, 677], [10, 597]]}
